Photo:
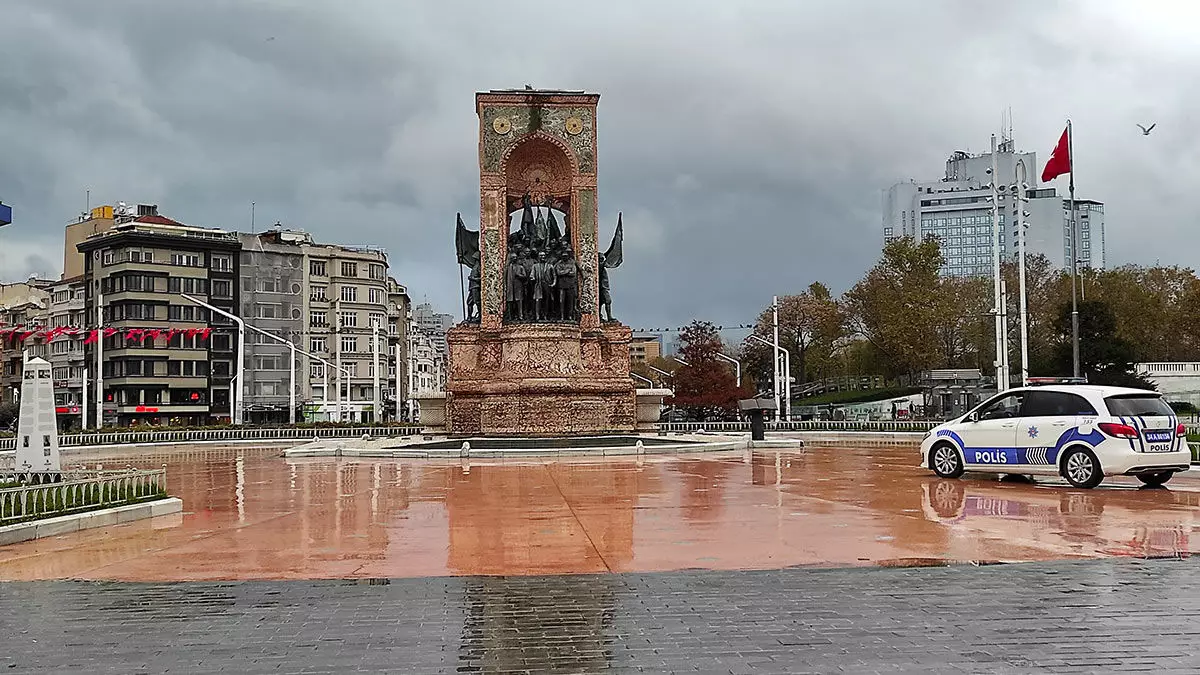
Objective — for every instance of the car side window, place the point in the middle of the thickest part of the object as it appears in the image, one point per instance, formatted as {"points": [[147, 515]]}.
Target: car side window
{"points": [[1055, 404], [1003, 407]]}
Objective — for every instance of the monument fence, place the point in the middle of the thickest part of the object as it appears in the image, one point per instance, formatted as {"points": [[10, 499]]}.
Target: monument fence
{"points": [[82, 491], [218, 435]]}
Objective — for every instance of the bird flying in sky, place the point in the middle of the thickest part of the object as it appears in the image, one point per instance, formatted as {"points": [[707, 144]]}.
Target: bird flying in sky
{"points": [[1146, 130]]}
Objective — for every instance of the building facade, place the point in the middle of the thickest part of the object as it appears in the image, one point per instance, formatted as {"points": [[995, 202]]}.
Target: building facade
{"points": [[643, 348], [136, 275], [957, 211]]}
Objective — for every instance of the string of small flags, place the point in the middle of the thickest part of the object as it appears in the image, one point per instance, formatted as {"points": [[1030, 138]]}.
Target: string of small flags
{"points": [[20, 334], [680, 329]]}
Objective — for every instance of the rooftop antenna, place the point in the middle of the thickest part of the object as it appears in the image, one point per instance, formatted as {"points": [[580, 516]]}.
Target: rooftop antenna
{"points": [[89, 201], [251, 217]]}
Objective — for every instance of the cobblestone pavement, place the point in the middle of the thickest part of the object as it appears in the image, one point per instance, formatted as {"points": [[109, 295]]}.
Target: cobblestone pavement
{"points": [[1081, 616]]}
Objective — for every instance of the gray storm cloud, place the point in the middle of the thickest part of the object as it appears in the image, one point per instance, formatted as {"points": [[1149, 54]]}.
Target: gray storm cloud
{"points": [[746, 143]]}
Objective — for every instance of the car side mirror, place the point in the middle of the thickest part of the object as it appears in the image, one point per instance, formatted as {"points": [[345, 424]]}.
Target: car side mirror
{"points": [[973, 417]]}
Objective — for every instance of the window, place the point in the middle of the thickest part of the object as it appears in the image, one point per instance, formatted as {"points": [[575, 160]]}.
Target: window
{"points": [[349, 269], [349, 294], [269, 362], [318, 294], [269, 310], [1006, 406], [185, 259], [317, 319], [1138, 405], [108, 257], [317, 344], [1055, 404], [316, 268], [268, 285], [348, 319], [222, 263], [349, 344], [222, 288], [376, 272], [376, 319], [317, 369], [375, 296]]}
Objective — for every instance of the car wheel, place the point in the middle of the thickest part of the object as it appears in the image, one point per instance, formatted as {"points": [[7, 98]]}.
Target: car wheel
{"points": [[1081, 468], [1155, 479], [945, 461]]}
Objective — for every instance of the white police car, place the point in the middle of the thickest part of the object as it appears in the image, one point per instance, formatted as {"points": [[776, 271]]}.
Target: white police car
{"points": [[1080, 432]]}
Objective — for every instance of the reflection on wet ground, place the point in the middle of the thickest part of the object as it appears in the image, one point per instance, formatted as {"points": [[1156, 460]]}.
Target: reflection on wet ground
{"points": [[249, 514]]}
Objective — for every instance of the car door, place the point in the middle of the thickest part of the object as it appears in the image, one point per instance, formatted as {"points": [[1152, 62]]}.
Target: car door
{"points": [[989, 434], [1046, 417]]}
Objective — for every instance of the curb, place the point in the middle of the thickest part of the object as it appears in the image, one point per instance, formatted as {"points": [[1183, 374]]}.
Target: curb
{"points": [[50, 527]]}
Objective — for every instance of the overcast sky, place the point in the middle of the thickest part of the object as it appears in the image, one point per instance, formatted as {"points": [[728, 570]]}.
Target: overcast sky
{"points": [[746, 143]]}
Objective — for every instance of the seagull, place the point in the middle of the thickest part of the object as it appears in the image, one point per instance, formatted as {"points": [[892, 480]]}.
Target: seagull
{"points": [[269, 39], [1146, 130]]}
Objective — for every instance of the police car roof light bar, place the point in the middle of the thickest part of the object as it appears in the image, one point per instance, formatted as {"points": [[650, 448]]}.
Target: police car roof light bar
{"points": [[1038, 381]]}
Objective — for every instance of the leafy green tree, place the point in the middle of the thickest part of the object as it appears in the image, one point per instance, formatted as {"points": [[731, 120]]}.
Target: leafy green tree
{"points": [[1104, 357], [705, 388]]}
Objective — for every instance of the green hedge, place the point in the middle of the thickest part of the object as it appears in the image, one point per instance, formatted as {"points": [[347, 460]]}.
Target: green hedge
{"points": [[857, 396]]}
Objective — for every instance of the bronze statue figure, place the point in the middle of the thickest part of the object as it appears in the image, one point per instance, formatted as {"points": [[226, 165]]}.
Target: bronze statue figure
{"points": [[610, 259], [542, 279], [466, 243], [566, 273], [515, 278]]}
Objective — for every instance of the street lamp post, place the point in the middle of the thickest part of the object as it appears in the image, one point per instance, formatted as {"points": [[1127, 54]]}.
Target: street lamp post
{"points": [[238, 403], [736, 364], [296, 350], [787, 358], [671, 412]]}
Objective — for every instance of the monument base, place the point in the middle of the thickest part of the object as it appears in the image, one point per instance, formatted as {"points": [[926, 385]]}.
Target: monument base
{"points": [[540, 380]]}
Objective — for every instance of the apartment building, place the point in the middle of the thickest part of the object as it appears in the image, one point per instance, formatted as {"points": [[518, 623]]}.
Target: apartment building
{"points": [[137, 273], [22, 304]]}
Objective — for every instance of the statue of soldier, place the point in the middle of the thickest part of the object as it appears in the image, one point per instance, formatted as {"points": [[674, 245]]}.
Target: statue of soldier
{"points": [[542, 279], [474, 309], [515, 278], [566, 272]]}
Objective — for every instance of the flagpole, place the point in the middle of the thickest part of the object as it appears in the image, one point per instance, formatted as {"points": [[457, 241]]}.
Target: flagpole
{"points": [[1074, 258]]}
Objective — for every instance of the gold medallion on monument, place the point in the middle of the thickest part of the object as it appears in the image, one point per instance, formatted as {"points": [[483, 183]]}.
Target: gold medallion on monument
{"points": [[502, 125], [574, 126]]}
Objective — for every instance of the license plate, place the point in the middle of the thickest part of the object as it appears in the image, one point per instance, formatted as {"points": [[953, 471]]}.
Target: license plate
{"points": [[1159, 436], [1158, 447]]}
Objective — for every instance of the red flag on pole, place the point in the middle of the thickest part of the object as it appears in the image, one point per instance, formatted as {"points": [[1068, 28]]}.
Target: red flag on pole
{"points": [[1060, 159]]}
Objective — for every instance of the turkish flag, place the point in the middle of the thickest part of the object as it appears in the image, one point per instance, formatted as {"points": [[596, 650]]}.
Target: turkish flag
{"points": [[1060, 159]]}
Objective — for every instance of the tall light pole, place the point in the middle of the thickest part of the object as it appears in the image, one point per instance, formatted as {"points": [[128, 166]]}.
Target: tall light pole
{"points": [[997, 294], [775, 346], [787, 358], [99, 357], [1020, 178], [376, 407], [238, 403]]}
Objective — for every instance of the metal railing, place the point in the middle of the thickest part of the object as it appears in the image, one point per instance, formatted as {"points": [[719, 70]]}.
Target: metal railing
{"points": [[216, 435], [813, 425], [101, 489]]}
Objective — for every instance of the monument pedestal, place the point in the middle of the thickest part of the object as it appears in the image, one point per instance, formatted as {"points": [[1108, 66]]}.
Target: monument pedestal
{"points": [[539, 380]]}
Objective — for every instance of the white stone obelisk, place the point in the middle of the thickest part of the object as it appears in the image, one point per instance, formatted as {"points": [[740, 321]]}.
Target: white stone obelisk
{"points": [[37, 434]]}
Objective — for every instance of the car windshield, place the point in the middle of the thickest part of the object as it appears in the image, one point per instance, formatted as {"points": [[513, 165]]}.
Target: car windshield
{"points": [[1138, 405]]}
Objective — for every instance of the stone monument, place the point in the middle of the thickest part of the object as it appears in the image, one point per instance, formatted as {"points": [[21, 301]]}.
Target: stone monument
{"points": [[37, 433], [533, 357]]}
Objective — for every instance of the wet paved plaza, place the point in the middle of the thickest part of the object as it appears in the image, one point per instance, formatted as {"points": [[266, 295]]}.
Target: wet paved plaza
{"points": [[765, 562], [250, 514]]}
